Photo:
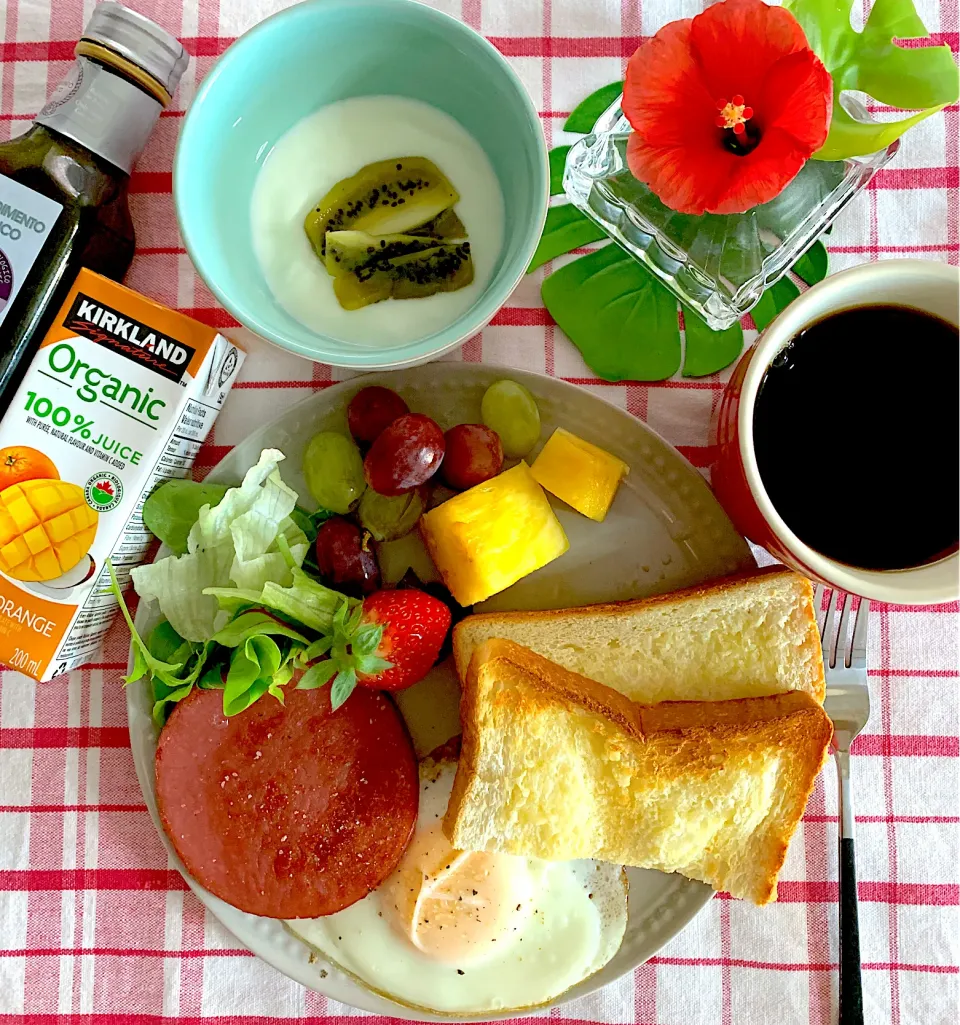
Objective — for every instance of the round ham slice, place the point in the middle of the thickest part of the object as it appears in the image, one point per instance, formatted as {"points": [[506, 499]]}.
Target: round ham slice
{"points": [[288, 811]]}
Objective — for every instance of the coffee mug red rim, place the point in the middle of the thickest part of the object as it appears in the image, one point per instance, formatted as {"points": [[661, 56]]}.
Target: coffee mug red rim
{"points": [[928, 584]]}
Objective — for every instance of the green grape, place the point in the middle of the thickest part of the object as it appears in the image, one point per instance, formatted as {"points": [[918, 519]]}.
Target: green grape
{"points": [[510, 410], [334, 470], [389, 518]]}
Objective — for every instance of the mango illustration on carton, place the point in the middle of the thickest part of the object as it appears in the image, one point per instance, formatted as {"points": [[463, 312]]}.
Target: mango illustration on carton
{"points": [[119, 398], [46, 528]]}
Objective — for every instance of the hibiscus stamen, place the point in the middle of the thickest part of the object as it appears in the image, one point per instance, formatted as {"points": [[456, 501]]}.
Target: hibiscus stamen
{"points": [[734, 114]]}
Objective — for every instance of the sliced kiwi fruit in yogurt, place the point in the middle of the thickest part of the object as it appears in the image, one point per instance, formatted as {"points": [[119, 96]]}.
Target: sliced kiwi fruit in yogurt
{"points": [[446, 226], [349, 250], [445, 267], [383, 198]]}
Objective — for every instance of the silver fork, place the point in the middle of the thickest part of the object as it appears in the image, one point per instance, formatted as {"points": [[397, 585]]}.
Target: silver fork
{"points": [[848, 705]]}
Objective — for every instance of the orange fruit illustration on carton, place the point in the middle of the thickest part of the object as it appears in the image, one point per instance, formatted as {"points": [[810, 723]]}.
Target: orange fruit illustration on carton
{"points": [[20, 462], [46, 528]]}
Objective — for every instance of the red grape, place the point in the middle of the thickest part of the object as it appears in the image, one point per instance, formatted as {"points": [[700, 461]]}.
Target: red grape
{"points": [[371, 410], [405, 455], [474, 454], [345, 558]]}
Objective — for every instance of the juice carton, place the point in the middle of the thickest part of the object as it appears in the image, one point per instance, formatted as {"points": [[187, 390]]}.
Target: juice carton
{"points": [[118, 398]]}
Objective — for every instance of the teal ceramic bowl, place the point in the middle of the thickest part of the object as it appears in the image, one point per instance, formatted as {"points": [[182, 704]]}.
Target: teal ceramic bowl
{"points": [[317, 53]]}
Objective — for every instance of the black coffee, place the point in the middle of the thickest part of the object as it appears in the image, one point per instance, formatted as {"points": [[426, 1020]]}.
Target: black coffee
{"points": [[856, 435]]}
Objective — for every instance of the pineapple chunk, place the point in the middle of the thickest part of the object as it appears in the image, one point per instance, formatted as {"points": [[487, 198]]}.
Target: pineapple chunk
{"points": [[487, 538], [580, 474]]}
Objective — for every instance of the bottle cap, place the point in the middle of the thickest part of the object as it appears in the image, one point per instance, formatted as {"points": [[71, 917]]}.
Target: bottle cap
{"points": [[139, 40]]}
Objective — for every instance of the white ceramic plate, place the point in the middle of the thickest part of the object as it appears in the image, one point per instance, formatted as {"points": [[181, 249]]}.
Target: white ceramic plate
{"points": [[665, 530]]}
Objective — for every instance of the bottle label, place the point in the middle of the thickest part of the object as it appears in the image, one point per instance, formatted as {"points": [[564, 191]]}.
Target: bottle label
{"points": [[26, 220], [102, 111]]}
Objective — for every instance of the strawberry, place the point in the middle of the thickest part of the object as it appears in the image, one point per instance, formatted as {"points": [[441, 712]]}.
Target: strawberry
{"points": [[415, 625], [389, 642]]}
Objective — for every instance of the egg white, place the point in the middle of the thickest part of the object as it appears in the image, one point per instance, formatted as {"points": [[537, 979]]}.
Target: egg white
{"points": [[572, 926]]}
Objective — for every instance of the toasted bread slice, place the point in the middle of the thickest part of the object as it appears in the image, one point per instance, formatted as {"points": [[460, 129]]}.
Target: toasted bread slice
{"points": [[559, 767], [740, 637]]}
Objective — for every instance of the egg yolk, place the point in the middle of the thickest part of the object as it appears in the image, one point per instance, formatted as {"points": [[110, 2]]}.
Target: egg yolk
{"points": [[456, 905]]}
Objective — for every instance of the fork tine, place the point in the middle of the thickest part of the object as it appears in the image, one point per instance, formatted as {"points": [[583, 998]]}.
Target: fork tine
{"points": [[843, 650], [818, 604], [830, 631], [858, 650]]}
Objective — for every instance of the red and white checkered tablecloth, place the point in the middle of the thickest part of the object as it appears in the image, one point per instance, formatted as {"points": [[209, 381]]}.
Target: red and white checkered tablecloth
{"points": [[96, 927]]}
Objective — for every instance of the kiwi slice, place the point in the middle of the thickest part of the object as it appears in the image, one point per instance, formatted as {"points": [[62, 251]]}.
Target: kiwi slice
{"points": [[444, 268], [349, 250], [353, 294], [446, 226], [387, 197]]}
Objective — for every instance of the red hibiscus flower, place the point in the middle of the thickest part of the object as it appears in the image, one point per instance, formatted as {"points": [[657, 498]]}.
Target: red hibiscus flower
{"points": [[725, 107]]}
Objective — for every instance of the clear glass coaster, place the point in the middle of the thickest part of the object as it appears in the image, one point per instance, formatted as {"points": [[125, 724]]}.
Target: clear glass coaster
{"points": [[717, 263]]}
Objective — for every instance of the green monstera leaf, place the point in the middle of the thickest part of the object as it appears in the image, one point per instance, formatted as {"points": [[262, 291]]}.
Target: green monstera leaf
{"points": [[921, 78], [584, 116], [774, 301], [706, 351], [558, 161], [623, 321], [566, 228]]}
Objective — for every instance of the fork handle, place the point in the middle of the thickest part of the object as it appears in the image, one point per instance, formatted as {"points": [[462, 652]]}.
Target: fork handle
{"points": [[851, 994]]}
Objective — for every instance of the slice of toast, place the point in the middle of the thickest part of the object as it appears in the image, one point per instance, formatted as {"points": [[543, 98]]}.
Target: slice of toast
{"points": [[740, 637], [559, 767]]}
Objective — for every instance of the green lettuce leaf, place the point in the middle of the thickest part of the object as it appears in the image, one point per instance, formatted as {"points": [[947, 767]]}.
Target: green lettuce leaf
{"points": [[260, 664], [171, 511], [304, 601], [166, 644], [144, 661], [255, 624], [246, 540], [309, 523], [252, 668], [870, 62], [176, 583], [173, 664], [167, 693]]}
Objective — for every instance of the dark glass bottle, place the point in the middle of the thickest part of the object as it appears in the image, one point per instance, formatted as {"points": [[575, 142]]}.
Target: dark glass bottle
{"points": [[78, 154]]}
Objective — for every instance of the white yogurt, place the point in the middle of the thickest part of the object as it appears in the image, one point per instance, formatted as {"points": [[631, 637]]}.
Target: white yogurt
{"points": [[334, 143]]}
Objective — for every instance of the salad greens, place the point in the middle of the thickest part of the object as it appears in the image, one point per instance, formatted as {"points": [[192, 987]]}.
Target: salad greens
{"points": [[240, 615], [235, 543], [173, 508], [304, 600]]}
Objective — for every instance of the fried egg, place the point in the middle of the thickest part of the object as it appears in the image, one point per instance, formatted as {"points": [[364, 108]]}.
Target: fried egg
{"points": [[458, 931]]}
